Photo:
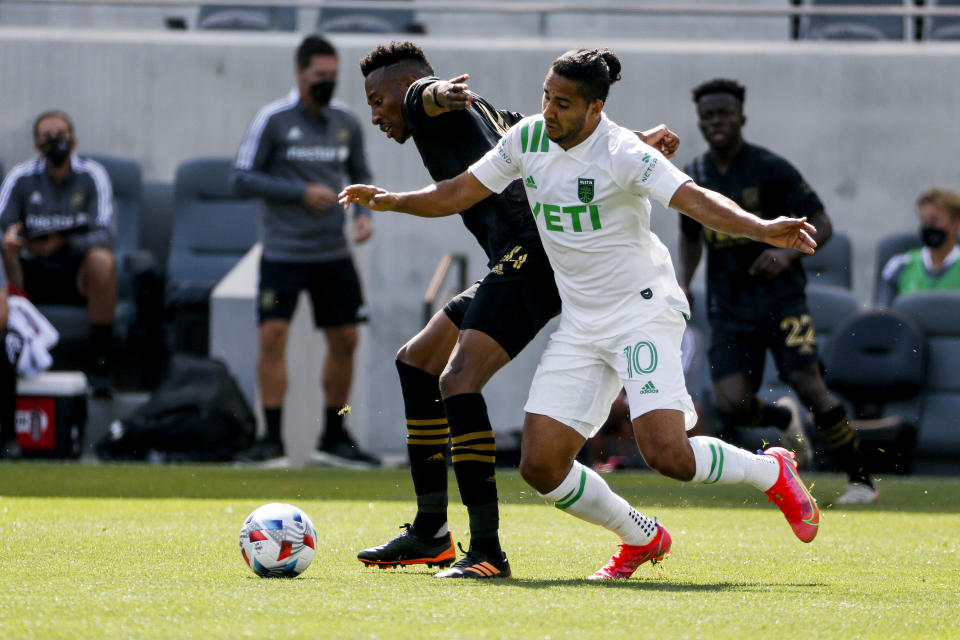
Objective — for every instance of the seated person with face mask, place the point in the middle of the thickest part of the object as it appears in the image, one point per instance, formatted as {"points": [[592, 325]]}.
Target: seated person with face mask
{"points": [[936, 265], [56, 212]]}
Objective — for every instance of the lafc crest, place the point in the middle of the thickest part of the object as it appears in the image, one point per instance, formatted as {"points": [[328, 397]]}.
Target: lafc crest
{"points": [[585, 189]]}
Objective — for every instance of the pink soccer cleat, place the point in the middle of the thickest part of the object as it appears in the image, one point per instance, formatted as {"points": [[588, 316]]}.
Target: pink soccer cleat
{"points": [[792, 497], [626, 560]]}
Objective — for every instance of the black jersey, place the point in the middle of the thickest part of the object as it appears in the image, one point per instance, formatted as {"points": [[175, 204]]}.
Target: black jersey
{"points": [[450, 143], [768, 186]]}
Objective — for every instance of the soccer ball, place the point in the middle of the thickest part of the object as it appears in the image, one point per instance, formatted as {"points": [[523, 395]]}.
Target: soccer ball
{"points": [[278, 540]]}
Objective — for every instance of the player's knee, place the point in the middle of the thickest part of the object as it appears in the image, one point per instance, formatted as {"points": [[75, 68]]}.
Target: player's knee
{"points": [[100, 265], [735, 411], [273, 339], [671, 460], [457, 379], [539, 472]]}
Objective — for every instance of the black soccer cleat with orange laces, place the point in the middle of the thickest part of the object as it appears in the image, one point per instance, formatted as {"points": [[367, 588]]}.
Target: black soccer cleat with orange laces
{"points": [[408, 548], [478, 564]]}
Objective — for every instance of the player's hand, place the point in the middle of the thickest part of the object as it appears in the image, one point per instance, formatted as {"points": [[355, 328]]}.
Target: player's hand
{"points": [[47, 245], [790, 233], [319, 197], [453, 94], [12, 240], [362, 228], [369, 196], [772, 262], [662, 139]]}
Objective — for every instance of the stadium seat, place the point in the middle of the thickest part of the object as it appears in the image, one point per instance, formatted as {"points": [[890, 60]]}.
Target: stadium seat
{"points": [[852, 27], [876, 363], [943, 27], [247, 18], [831, 264], [134, 268], [937, 313], [368, 21], [888, 247], [213, 228]]}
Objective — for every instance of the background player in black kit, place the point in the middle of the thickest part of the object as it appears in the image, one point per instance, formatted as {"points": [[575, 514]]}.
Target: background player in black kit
{"points": [[755, 294], [444, 367]]}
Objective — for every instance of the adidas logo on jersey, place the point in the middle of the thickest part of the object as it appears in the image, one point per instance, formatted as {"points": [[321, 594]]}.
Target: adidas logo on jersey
{"points": [[649, 388], [530, 183], [295, 133]]}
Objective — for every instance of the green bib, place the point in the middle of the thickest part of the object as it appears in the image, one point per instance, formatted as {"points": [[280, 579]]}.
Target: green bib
{"points": [[914, 276]]}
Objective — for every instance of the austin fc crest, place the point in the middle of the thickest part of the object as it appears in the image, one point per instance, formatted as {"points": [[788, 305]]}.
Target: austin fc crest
{"points": [[585, 189]]}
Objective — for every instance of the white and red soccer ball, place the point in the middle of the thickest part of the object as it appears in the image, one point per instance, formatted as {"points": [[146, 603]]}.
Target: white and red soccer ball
{"points": [[278, 540]]}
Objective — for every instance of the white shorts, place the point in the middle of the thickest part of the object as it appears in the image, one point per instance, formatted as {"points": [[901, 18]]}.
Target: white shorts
{"points": [[576, 382]]}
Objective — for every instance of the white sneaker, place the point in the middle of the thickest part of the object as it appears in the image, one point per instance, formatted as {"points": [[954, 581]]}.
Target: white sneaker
{"points": [[858, 493], [794, 437]]}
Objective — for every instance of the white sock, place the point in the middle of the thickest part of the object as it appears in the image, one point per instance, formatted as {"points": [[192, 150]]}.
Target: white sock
{"points": [[586, 495], [718, 461]]}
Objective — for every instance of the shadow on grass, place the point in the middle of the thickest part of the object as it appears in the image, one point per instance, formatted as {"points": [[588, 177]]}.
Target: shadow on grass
{"points": [[651, 585], [647, 490]]}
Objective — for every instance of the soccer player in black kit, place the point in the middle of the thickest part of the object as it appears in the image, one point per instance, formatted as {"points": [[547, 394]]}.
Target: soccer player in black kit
{"points": [[755, 293], [444, 367]]}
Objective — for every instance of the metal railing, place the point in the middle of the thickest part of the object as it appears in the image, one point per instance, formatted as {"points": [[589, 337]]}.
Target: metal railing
{"points": [[910, 8], [430, 296]]}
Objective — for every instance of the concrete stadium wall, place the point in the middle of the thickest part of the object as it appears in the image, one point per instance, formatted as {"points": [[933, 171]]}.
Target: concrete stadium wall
{"points": [[869, 125]]}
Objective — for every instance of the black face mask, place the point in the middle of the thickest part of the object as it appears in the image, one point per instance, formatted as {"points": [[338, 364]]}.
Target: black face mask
{"points": [[321, 92], [933, 237], [56, 150]]}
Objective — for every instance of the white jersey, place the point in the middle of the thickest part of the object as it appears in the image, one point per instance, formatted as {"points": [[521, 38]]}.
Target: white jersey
{"points": [[593, 214]]}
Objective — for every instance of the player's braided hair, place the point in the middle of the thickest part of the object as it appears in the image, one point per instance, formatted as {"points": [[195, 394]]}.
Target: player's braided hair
{"points": [[594, 69], [720, 85], [386, 55]]}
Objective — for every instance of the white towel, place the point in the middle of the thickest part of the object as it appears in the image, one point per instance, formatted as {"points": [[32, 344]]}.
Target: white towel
{"points": [[30, 334]]}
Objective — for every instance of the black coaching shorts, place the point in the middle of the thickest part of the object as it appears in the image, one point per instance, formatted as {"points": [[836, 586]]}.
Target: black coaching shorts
{"points": [[513, 302], [53, 279], [333, 287], [792, 342]]}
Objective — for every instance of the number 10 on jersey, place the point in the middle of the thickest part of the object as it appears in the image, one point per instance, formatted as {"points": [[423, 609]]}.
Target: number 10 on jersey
{"points": [[641, 358]]}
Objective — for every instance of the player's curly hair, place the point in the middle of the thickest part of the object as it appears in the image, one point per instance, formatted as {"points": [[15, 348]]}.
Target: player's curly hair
{"points": [[386, 55], [720, 85], [594, 69]]}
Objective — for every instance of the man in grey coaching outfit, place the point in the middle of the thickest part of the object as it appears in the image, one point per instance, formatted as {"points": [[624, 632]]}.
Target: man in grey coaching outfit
{"points": [[299, 151], [56, 212]]}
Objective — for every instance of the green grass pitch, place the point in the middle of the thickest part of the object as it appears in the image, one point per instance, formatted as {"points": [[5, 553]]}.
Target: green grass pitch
{"points": [[152, 552]]}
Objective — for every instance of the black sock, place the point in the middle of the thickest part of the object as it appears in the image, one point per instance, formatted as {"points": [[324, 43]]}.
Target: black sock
{"points": [[762, 414], [101, 347], [834, 426], [428, 437], [484, 522], [332, 424], [273, 416], [474, 461]]}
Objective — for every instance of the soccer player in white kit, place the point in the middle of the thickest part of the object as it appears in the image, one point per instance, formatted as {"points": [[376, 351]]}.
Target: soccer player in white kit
{"points": [[588, 181]]}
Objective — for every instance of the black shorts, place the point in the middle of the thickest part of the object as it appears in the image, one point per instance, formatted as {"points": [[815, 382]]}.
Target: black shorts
{"points": [[334, 290], [53, 279], [792, 341], [513, 302]]}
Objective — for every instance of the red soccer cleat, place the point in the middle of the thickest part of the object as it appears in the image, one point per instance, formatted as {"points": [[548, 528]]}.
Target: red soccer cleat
{"points": [[626, 560], [792, 497]]}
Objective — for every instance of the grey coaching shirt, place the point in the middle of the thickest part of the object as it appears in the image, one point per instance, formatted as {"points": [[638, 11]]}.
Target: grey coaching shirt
{"points": [[81, 207], [283, 150]]}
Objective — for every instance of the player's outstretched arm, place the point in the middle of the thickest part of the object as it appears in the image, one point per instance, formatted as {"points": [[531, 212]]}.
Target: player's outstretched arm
{"points": [[723, 214], [434, 201]]}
